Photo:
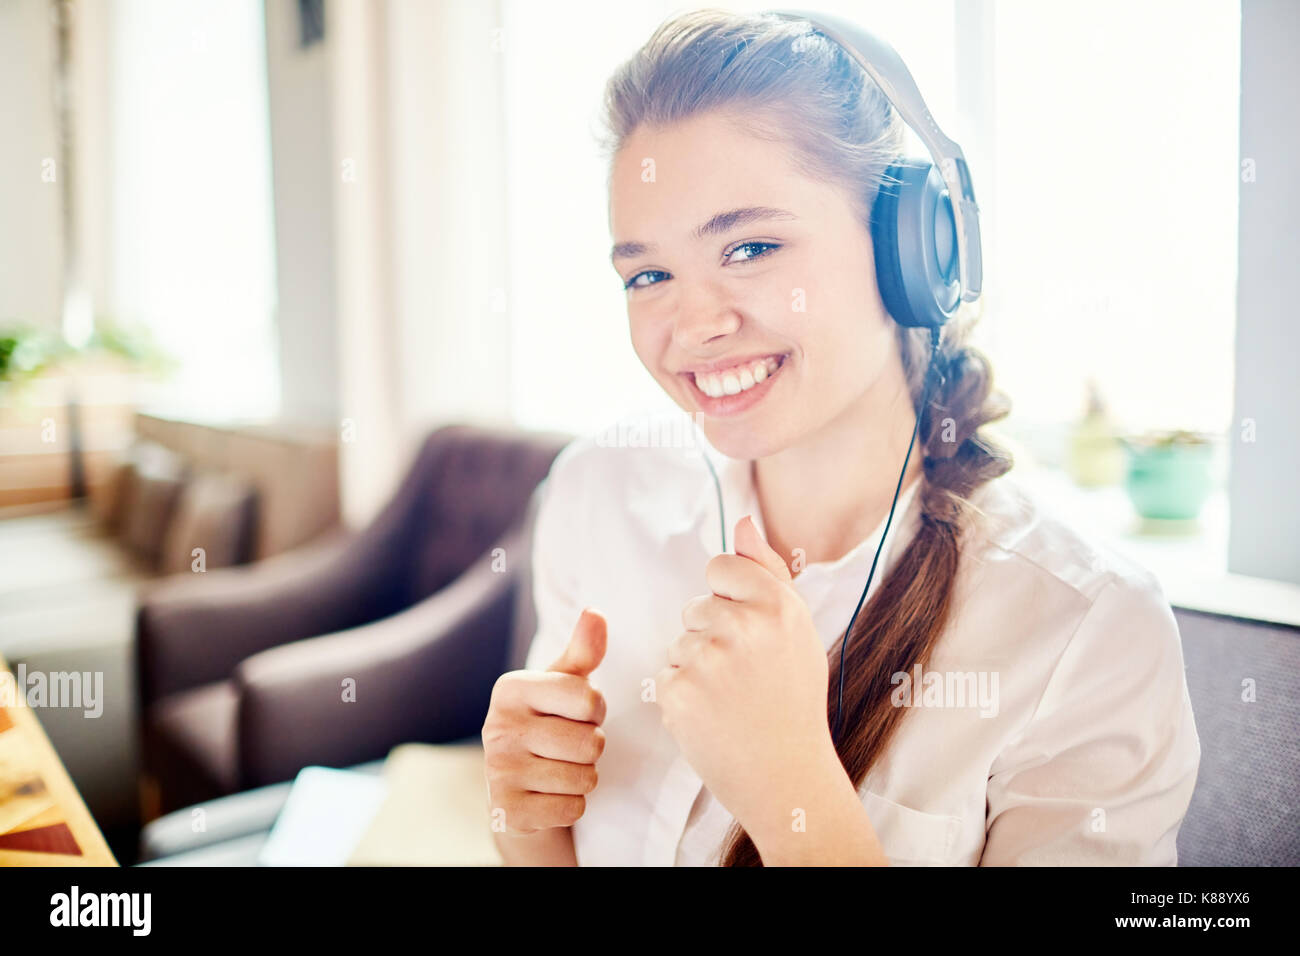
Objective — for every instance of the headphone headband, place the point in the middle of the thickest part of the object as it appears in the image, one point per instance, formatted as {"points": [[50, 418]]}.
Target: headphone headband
{"points": [[883, 64]]}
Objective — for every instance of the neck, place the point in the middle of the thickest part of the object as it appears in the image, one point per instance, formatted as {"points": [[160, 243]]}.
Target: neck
{"points": [[825, 494]]}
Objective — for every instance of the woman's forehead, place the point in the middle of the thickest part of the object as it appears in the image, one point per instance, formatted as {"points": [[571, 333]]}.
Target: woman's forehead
{"points": [[697, 146], [675, 180]]}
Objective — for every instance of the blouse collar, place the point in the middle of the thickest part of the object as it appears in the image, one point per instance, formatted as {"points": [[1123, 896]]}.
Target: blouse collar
{"points": [[740, 497]]}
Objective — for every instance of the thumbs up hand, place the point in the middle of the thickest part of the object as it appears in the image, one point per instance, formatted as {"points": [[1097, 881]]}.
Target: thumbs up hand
{"points": [[542, 735], [745, 690], [750, 544], [586, 647]]}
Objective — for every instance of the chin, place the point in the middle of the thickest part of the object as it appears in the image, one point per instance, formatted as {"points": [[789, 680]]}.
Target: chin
{"points": [[745, 441]]}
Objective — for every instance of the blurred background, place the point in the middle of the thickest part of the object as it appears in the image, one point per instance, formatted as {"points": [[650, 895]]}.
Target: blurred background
{"points": [[256, 256]]}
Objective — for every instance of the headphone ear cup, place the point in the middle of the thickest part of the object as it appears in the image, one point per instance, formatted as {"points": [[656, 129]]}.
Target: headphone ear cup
{"points": [[884, 239], [915, 239]]}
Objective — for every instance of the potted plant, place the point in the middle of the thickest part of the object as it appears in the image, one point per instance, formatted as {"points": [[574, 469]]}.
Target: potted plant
{"points": [[1095, 457], [1168, 473], [25, 352], [65, 410]]}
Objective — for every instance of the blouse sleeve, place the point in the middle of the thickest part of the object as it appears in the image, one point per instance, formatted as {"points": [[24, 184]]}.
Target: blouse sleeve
{"points": [[555, 563], [1104, 770]]}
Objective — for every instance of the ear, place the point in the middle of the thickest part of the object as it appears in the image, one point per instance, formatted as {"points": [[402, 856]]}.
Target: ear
{"points": [[750, 544]]}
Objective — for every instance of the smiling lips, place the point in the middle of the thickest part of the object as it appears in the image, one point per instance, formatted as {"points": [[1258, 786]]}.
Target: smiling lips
{"points": [[738, 378]]}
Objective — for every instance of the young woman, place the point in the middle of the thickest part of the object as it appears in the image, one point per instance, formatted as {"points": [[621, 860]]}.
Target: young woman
{"points": [[1012, 693]]}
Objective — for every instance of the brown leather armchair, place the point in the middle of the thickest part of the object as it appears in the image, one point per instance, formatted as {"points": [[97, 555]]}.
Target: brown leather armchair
{"points": [[333, 654]]}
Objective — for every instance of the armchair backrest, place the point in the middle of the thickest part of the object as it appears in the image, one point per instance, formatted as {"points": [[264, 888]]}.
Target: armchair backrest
{"points": [[523, 625], [1241, 677], [472, 485]]}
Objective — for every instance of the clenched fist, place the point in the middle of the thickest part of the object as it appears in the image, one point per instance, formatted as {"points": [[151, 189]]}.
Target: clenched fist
{"points": [[542, 736]]}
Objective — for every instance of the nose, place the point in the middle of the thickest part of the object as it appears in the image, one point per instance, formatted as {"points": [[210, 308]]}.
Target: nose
{"points": [[702, 317]]}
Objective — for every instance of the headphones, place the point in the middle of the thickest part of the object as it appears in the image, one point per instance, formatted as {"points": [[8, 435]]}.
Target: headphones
{"points": [[927, 247], [927, 244]]}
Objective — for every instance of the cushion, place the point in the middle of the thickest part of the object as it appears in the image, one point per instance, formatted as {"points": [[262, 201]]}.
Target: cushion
{"points": [[156, 478], [107, 501], [216, 513], [433, 814]]}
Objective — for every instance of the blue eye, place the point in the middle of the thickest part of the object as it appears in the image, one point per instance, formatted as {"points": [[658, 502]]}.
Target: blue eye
{"points": [[766, 247], [632, 283]]}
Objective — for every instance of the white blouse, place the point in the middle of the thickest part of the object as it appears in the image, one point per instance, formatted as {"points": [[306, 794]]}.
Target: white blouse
{"points": [[1076, 744]]}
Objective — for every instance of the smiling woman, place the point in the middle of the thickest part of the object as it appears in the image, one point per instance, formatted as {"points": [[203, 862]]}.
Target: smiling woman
{"points": [[760, 222]]}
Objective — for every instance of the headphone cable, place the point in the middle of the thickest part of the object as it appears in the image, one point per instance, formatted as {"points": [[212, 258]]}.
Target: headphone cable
{"points": [[933, 374]]}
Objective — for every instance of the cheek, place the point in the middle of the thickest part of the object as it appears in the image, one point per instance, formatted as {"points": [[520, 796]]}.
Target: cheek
{"points": [[648, 341], [845, 345], [838, 352], [651, 339]]}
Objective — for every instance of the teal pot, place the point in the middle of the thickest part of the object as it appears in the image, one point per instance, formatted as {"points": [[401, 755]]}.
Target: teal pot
{"points": [[1168, 481]]}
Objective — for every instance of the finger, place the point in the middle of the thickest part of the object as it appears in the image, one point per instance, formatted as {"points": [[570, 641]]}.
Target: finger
{"points": [[538, 811], [717, 615], [696, 613], [563, 695], [558, 738], [539, 775], [676, 698], [586, 647], [690, 649], [738, 578], [750, 544], [686, 647]]}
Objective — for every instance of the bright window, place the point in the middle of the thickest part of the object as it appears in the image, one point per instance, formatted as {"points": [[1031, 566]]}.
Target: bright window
{"points": [[1112, 212], [1103, 144], [193, 248]]}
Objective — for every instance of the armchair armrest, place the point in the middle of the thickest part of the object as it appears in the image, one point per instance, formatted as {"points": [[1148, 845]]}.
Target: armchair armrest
{"points": [[424, 674], [194, 629]]}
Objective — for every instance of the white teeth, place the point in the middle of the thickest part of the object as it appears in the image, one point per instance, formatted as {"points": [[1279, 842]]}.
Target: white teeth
{"points": [[737, 380]]}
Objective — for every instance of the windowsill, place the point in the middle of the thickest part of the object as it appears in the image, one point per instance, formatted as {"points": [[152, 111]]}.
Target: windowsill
{"points": [[1189, 559], [276, 428]]}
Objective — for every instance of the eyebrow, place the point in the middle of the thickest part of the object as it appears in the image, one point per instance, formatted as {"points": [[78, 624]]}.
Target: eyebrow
{"points": [[722, 222]]}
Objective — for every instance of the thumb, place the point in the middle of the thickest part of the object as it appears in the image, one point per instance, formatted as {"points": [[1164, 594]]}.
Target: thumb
{"points": [[586, 648], [750, 544]]}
